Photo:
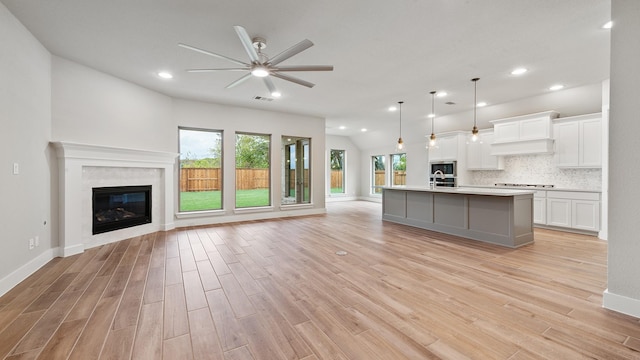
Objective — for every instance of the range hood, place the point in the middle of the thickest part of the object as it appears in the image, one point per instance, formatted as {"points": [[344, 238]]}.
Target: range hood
{"points": [[526, 134], [523, 147]]}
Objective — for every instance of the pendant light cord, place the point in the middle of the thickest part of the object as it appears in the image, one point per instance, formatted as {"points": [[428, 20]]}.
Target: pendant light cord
{"points": [[433, 112], [475, 100], [400, 102]]}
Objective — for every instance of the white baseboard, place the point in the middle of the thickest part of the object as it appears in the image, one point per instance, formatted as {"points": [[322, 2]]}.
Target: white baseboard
{"points": [[339, 198], [23, 272], [621, 304], [377, 199]]}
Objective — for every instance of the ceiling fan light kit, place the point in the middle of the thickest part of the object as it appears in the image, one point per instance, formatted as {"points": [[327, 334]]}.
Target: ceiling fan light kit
{"points": [[260, 65]]}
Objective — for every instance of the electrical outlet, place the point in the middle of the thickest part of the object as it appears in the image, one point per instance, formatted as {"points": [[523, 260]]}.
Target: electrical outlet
{"points": [[31, 244], [37, 240]]}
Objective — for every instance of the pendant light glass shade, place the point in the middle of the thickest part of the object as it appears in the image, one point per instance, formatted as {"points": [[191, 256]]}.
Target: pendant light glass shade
{"points": [[474, 131], [400, 144], [432, 139]]}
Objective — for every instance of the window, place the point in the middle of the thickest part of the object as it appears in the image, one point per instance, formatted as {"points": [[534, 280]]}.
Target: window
{"points": [[296, 170], [337, 171], [253, 185], [200, 169], [377, 174], [399, 165]]}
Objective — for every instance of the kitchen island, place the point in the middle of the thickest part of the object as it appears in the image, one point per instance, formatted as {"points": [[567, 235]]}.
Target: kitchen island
{"points": [[498, 216]]}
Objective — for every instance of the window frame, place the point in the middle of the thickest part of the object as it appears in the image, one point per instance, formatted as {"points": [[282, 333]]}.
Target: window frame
{"points": [[220, 178], [269, 169]]}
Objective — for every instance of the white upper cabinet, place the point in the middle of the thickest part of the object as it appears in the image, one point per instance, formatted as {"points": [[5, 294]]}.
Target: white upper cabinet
{"points": [[578, 141], [447, 148], [479, 153], [526, 134]]}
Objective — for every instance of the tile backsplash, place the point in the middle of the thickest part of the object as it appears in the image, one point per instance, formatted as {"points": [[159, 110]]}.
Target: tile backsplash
{"points": [[538, 169]]}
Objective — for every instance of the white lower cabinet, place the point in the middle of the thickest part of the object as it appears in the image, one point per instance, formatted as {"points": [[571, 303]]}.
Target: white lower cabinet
{"points": [[540, 207], [576, 210]]}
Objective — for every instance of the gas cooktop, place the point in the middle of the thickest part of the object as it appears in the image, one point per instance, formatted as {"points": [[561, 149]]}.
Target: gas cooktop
{"points": [[524, 185]]}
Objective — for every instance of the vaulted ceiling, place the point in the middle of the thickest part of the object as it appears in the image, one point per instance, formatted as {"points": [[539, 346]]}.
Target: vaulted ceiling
{"points": [[382, 51]]}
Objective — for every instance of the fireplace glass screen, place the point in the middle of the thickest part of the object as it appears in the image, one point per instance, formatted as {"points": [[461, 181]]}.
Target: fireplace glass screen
{"points": [[120, 207]]}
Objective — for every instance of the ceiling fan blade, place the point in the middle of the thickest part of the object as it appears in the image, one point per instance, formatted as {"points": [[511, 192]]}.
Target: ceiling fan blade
{"points": [[212, 70], [295, 49], [293, 79], [247, 43], [304, 68], [270, 86], [212, 54], [239, 81]]}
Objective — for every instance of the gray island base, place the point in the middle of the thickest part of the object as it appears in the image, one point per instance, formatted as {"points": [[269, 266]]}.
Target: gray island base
{"points": [[498, 216]]}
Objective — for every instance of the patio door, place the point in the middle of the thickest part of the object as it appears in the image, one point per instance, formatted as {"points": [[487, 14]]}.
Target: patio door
{"points": [[297, 170]]}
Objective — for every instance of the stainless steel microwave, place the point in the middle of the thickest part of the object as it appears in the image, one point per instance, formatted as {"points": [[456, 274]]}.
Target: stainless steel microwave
{"points": [[448, 168]]}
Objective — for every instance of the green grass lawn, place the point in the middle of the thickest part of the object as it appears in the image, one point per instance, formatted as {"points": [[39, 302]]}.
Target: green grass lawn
{"points": [[212, 200], [337, 190]]}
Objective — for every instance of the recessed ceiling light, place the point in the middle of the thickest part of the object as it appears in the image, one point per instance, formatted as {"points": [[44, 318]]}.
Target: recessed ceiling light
{"points": [[165, 75], [481, 104], [276, 94], [441, 94], [431, 116], [342, 127], [556, 87], [519, 71], [363, 130], [608, 25], [392, 108]]}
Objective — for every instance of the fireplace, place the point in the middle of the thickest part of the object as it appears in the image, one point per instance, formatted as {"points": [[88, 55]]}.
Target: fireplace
{"points": [[120, 207]]}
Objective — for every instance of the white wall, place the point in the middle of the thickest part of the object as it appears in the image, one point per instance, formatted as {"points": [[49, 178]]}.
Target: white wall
{"points": [[623, 293], [352, 167], [232, 119], [25, 114], [90, 107]]}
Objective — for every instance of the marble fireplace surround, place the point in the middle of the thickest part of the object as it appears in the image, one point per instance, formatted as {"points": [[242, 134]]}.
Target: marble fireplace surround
{"points": [[82, 167]]}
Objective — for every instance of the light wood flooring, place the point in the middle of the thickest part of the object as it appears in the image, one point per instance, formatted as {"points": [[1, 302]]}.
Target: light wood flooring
{"points": [[277, 290]]}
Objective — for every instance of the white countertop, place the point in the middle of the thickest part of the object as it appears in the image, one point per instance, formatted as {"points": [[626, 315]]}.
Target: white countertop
{"points": [[465, 190], [532, 188]]}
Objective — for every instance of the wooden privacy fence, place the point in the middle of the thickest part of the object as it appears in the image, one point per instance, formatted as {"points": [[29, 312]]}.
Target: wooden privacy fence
{"points": [[336, 178], [209, 179], [399, 177]]}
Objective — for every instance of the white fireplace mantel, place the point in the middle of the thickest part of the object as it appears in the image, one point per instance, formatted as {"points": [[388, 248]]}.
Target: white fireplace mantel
{"points": [[114, 166]]}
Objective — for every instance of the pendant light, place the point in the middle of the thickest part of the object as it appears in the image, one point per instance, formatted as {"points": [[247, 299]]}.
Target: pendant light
{"points": [[400, 145], [474, 131], [432, 138]]}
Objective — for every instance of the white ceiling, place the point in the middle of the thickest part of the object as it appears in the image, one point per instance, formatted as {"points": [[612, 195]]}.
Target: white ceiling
{"points": [[383, 51]]}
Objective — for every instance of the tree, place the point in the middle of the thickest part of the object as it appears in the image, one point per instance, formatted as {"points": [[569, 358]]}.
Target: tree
{"points": [[252, 151], [401, 163], [378, 162], [337, 159]]}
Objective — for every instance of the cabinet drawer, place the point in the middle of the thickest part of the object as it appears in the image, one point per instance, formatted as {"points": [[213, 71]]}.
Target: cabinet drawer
{"points": [[573, 195]]}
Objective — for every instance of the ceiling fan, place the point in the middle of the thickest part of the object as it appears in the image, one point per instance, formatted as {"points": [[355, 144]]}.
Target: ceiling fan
{"points": [[260, 64]]}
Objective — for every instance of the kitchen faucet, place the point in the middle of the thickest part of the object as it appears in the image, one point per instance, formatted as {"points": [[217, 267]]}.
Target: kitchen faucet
{"points": [[442, 177]]}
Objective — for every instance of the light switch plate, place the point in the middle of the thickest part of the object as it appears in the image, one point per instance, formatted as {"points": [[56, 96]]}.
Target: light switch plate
{"points": [[16, 168]]}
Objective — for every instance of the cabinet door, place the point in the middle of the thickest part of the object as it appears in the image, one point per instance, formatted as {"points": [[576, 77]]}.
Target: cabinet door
{"points": [[490, 162], [585, 215], [591, 143], [474, 155], [567, 144], [559, 212], [435, 153], [539, 210], [449, 148]]}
